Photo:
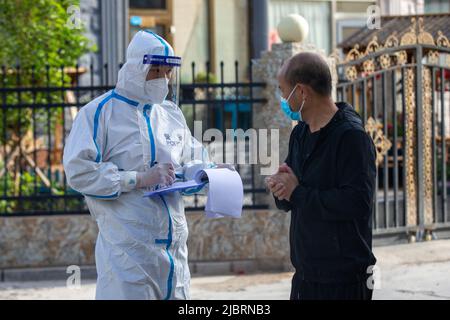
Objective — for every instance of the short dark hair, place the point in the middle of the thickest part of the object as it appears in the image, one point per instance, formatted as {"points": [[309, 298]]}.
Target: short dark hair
{"points": [[310, 69]]}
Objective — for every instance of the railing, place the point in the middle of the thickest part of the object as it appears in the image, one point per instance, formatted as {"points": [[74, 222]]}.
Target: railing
{"points": [[39, 105], [402, 94]]}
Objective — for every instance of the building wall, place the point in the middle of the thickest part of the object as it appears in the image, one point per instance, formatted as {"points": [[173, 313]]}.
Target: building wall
{"points": [[46, 241], [91, 17], [106, 24], [190, 19], [329, 21], [231, 39], [349, 17], [401, 7], [317, 13], [115, 29]]}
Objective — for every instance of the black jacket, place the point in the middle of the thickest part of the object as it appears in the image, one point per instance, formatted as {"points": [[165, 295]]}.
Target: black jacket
{"points": [[330, 232]]}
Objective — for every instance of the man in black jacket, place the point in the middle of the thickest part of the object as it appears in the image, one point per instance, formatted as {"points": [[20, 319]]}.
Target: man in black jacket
{"points": [[327, 183]]}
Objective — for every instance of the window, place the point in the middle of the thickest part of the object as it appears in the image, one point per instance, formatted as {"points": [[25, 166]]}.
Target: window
{"points": [[437, 6], [347, 27], [148, 4], [154, 15], [158, 29]]}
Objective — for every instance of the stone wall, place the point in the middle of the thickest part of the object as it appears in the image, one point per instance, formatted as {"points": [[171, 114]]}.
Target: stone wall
{"points": [[47, 241], [260, 237]]}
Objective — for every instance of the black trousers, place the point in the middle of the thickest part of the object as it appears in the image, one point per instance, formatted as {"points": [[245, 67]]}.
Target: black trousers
{"points": [[310, 290]]}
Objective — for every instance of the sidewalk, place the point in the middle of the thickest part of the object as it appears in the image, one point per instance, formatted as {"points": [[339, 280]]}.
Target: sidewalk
{"points": [[417, 271]]}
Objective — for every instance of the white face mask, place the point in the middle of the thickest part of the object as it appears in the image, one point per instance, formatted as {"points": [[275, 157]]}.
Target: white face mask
{"points": [[157, 90]]}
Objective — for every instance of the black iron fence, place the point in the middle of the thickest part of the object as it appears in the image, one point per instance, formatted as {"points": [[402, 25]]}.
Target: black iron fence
{"points": [[403, 96], [39, 105]]}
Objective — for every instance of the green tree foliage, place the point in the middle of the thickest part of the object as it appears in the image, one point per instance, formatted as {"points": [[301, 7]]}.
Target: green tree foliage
{"points": [[40, 32], [38, 39]]}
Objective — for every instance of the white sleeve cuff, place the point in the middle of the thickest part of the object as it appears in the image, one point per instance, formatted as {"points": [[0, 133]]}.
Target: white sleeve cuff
{"points": [[127, 180]]}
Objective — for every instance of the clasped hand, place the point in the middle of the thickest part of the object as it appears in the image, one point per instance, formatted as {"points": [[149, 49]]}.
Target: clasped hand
{"points": [[283, 183]]}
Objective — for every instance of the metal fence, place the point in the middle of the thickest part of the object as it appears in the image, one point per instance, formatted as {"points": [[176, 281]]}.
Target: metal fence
{"points": [[38, 106], [402, 91]]}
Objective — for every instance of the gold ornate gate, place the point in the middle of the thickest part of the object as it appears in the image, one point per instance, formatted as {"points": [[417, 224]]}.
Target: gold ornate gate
{"points": [[401, 90]]}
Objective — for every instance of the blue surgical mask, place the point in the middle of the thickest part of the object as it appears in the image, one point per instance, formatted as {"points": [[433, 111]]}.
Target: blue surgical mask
{"points": [[286, 108], [288, 112]]}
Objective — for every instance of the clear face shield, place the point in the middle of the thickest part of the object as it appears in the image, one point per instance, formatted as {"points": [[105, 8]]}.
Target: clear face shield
{"points": [[163, 78]]}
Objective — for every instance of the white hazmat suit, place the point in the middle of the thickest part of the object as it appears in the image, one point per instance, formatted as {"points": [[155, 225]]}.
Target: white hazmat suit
{"points": [[141, 250]]}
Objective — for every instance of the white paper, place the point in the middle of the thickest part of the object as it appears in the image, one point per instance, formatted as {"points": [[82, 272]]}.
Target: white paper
{"points": [[225, 194]]}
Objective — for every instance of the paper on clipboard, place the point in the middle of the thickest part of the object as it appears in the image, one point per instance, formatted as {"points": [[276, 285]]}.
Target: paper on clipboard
{"points": [[225, 191]]}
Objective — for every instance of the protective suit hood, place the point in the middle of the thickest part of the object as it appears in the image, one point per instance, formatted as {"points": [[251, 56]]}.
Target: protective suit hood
{"points": [[132, 75]]}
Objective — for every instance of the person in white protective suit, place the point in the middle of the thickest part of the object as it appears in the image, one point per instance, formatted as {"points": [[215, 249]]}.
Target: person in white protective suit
{"points": [[125, 142]]}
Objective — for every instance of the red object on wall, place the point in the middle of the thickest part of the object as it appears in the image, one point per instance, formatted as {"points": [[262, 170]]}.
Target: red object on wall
{"points": [[273, 37]]}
